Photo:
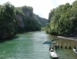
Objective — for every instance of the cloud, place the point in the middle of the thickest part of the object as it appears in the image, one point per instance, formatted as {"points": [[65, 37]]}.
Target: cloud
{"points": [[41, 7], [64, 2], [3, 1]]}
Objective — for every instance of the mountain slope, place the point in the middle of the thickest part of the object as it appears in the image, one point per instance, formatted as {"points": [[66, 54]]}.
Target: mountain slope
{"points": [[42, 21]]}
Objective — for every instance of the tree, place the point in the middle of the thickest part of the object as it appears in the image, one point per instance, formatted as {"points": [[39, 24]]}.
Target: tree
{"points": [[63, 19], [7, 19]]}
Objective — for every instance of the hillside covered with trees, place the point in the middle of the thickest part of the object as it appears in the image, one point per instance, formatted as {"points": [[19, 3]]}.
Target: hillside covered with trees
{"points": [[42, 21], [63, 20], [18, 20]]}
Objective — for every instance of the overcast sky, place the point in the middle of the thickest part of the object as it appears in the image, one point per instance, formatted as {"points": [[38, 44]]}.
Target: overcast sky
{"points": [[41, 7]]}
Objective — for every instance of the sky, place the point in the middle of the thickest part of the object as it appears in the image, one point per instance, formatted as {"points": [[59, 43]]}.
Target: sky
{"points": [[40, 7]]}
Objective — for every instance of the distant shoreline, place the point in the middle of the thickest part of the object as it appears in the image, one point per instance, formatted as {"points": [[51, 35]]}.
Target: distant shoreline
{"points": [[68, 38]]}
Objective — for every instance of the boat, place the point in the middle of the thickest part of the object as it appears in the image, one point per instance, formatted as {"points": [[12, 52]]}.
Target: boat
{"points": [[53, 54], [75, 50]]}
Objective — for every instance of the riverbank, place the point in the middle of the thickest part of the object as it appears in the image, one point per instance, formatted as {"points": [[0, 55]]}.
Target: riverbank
{"points": [[69, 38], [7, 36]]}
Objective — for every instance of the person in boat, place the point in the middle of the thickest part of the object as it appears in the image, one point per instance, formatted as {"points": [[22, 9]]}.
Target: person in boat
{"points": [[52, 50], [74, 47]]}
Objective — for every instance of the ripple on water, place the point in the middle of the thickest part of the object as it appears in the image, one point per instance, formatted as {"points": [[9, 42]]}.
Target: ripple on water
{"points": [[30, 46]]}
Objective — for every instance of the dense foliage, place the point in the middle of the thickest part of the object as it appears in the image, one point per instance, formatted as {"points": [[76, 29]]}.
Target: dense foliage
{"points": [[17, 20], [7, 20], [63, 20], [42, 21], [26, 20]]}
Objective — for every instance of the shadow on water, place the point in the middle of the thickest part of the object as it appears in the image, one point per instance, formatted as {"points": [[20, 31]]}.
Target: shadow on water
{"points": [[8, 39]]}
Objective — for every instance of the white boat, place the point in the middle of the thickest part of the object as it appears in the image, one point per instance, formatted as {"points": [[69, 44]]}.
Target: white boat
{"points": [[75, 50], [53, 54]]}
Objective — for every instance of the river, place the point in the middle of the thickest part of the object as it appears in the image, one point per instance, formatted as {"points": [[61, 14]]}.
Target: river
{"points": [[30, 46]]}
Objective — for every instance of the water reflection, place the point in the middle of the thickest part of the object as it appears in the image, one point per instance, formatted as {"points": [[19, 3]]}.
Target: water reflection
{"points": [[30, 46]]}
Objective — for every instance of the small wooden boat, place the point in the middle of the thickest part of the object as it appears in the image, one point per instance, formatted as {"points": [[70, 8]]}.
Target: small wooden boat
{"points": [[75, 50], [53, 54]]}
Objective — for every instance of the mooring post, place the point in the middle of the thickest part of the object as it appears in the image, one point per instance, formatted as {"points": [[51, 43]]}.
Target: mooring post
{"points": [[70, 46], [57, 45], [61, 46], [66, 45]]}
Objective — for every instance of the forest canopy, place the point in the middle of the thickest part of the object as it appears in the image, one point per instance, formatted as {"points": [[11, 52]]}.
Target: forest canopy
{"points": [[63, 20], [18, 19]]}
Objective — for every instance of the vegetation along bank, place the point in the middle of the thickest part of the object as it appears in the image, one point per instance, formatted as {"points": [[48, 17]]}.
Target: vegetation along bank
{"points": [[63, 20], [15, 20]]}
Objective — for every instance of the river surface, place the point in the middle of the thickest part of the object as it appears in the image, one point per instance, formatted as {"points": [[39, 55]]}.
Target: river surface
{"points": [[30, 46]]}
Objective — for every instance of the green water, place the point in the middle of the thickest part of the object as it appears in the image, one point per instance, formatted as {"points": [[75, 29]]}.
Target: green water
{"points": [[30, 46]]}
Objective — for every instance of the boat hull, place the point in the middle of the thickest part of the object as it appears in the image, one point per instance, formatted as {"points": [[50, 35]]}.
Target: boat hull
{"points": [[75, 50], [53, 54]]}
